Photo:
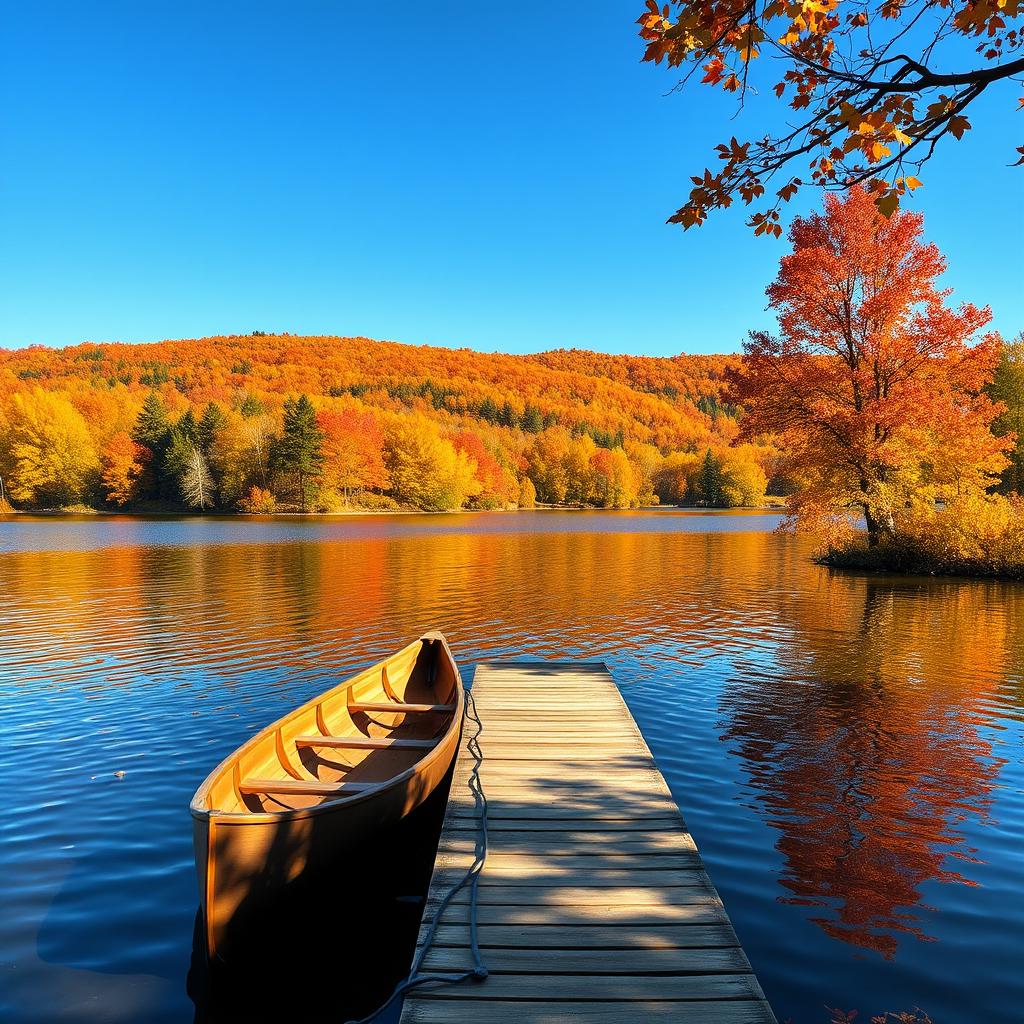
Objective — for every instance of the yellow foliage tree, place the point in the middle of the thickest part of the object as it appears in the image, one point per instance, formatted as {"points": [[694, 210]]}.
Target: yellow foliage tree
{"points": [[745, 481], [672, 477], [425, 470], [48, 450], [527, 493], [1008, 387], [616, 480]]}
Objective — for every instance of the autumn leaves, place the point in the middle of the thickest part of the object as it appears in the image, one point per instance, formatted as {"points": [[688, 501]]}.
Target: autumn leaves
{"points": [[880, 397], [870, 105], [222, 424]]}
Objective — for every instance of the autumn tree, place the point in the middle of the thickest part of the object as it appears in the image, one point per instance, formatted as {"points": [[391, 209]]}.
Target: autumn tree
{"points": [[196, 483], [48, 455], [498, 485], [527, 493], [673, 475], [579, 470], [353, 450], [424, 468], [646, 459], [298, 452], [124, 465], [546, 460], [239, 454], [875, 385], [876, 88], [616, 482], [745, 481], [1007, 387]]}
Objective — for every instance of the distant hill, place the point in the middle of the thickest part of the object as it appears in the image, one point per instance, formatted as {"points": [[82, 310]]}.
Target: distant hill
{"points": [[513, 406]]}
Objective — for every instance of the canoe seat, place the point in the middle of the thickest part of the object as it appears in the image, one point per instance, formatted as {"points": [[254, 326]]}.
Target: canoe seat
{"points": [[302, 787], [358, 705], [364, 743]]}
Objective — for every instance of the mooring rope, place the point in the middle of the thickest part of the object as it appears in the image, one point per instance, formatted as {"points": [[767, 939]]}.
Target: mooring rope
{"points": [[472, 876]]}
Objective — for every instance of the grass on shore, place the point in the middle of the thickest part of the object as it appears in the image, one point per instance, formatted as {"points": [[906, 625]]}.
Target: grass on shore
{"points": [[907, 556]]}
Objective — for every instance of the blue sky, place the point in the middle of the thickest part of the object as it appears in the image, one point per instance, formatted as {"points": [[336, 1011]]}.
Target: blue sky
{"points": [[442, 173]]}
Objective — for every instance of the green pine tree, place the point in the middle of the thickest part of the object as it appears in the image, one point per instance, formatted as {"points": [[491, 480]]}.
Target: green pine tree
{"points": [[533, 420], [711, 480], [212, 420], [175, 464], [298, 451], [251, 406], [187, 426], [153, 429]]}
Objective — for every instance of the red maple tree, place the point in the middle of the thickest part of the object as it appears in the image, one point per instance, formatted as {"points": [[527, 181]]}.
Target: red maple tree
{"points": [[875, 383]]}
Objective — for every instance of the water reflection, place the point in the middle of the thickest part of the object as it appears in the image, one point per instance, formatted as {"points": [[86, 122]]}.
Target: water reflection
{"points": [[863, 744], [868, 729]]}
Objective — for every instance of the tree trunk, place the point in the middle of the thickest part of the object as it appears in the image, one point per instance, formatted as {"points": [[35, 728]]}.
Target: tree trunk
{"points": [[870, 521]]}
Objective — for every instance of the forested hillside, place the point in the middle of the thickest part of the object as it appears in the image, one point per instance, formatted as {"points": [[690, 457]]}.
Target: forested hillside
{"points": [[262, 422]]}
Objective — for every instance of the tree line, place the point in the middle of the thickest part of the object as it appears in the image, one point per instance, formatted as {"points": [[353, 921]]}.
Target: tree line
{"points": [[330, 454]]}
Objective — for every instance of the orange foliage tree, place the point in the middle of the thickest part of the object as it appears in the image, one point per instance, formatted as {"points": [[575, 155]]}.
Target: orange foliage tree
{"points": [[876, 88], [353, 449], [123, 468], [874, 385], [498, 485]]}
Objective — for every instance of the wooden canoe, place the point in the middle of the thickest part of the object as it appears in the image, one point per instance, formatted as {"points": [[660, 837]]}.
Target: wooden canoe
{"points": [[322, 779]]}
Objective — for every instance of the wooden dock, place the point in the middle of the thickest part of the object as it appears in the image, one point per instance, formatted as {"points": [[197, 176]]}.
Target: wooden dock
{"points": [[594, 905]]}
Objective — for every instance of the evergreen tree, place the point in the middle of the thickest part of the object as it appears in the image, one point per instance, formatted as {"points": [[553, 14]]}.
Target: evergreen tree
{"points": [[533, 421], [299, 450], [251, 406], [153, 431], [187, 426], [711, 480], [152, 428], [212, 420], [176, 461], [489, 410]]}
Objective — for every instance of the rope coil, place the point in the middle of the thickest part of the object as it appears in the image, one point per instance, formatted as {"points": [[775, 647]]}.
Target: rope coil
{"points": [[478, 972]]}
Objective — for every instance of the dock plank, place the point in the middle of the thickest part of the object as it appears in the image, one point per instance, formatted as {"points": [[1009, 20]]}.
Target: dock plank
{"points": [[593, 905]]}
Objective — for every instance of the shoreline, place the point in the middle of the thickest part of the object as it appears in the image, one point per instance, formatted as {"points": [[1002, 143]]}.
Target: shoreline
{"points": [[359, 512]]}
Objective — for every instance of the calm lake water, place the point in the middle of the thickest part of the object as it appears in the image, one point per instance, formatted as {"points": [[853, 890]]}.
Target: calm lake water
{"points": [[847, 749]]}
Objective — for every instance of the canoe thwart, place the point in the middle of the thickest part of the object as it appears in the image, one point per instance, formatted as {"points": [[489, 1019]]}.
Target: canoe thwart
{"points": [[364, 743], [290, 787], [397, 706]]}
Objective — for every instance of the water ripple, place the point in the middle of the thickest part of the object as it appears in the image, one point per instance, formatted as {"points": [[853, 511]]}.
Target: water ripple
{"points": [[847, 750]]}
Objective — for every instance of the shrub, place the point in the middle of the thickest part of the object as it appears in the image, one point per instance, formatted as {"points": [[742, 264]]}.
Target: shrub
{"points": [[258, 502], [975, 534], [368, 501]]}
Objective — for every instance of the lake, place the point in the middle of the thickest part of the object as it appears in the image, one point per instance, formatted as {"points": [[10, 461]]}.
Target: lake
{"points": [[846, 749]]}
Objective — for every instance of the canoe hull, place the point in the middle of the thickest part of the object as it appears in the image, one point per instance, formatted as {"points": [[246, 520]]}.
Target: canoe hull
{"points": [[246, 862]]}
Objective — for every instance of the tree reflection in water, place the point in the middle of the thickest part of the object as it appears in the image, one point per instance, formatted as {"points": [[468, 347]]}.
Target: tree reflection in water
{"points": [[864, 753]]}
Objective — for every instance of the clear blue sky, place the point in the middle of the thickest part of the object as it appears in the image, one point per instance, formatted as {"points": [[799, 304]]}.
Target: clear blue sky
{"points": [[439, 173]]}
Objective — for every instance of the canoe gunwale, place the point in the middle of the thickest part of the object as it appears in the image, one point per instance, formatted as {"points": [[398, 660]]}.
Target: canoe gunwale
{"points": [[229, 818]]}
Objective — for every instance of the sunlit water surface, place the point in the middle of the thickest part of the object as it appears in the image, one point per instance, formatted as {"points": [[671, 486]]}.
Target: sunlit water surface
{"points": [[847, 749]]}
